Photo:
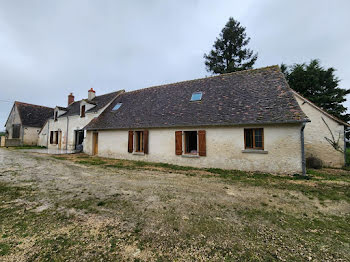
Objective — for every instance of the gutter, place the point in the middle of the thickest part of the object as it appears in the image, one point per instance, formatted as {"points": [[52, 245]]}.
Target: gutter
{"points": [[303, 161], [345, 158]]}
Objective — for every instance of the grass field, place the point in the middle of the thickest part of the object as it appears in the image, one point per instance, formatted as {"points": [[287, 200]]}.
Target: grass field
{"points": [[81, 208]]}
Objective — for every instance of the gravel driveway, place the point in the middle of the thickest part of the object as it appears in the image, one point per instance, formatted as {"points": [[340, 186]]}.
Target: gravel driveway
{"points": [[56, 209]]}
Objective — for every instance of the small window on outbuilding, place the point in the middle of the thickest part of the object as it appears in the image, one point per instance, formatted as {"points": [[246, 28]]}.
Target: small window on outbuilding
{"points": [[191, 142], [197, 96], [117, 106], [254, 138], [139, 141]]}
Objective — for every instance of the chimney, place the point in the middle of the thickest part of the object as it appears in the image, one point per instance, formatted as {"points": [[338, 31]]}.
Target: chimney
{"points": [[70, 98], [91, 94]]}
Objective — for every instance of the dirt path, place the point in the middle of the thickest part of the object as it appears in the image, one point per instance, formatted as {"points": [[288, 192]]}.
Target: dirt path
{"points": [[150, 215]]}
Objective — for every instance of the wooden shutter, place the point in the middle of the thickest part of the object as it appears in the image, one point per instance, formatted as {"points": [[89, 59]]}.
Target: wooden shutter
{"points": [[178, 142], [56, 142], [131, 141], [145, 141], [51, 137], [201, 143]]}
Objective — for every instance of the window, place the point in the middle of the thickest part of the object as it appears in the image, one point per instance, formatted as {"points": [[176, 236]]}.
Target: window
{"points": [[254, 138], [139, 141], [56, 115], [197, 96], [53, 137], [191, 142], [82, 114], [117, 106], [16, 129]]}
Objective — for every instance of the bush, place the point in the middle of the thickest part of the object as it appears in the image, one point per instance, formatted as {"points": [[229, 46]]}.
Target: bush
{"points": [[314, 162]]}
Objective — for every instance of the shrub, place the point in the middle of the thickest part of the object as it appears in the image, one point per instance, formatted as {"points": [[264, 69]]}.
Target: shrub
{"points": [[314, 162]]}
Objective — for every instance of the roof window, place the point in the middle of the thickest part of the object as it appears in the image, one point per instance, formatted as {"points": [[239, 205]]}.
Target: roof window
{"points": [[117, 106], [197, 96]]}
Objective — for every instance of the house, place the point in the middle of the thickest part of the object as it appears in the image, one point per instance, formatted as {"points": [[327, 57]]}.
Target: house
{"points": [[25, 122], [64, 129], [248, 120], [323, 129]]}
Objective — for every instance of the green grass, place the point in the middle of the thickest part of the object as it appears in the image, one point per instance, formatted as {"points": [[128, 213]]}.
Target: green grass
{"points": [[92, 161], [319, 186], [28, 147]]}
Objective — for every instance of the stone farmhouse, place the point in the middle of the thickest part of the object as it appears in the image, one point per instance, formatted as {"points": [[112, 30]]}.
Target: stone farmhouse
{"points": [[249, 120], [64, 130], [25, 122]]}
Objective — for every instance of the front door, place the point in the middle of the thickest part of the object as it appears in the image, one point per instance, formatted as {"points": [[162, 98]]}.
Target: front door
{"points": [[79, 138], [95, 144]]}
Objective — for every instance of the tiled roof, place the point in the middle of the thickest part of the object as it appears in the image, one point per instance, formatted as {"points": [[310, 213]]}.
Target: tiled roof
{"points": [[33, 115], [258, 96], [100, 102]]}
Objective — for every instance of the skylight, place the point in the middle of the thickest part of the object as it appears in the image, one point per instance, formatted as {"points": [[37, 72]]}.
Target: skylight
{"points": [[197, 96], [117, 106]]}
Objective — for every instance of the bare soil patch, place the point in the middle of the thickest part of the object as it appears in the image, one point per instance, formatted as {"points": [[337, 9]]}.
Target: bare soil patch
{"points": [[81, 208]]}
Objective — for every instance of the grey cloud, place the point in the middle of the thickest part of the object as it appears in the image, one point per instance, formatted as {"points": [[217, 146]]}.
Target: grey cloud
{"points": [[51, 48]]}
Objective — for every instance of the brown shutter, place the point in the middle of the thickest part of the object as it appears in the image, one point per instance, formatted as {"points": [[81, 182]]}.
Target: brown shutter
{"points": [[145, 141], [201, 143], [178, 142], [131, 142], [56, 142], [51, 137]]}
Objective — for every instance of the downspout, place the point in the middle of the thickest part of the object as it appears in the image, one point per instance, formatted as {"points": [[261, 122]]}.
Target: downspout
{"points": [[303, 161], [22, 135], [345, 146], [48, 134], [67, 134]]}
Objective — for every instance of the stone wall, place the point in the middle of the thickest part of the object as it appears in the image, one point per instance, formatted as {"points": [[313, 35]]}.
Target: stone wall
{"points": [[315, 132], [224, 148]]}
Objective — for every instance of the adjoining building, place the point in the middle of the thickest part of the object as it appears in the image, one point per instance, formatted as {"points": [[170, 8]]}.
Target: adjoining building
{"points": [[64, 129], [25, 122]]}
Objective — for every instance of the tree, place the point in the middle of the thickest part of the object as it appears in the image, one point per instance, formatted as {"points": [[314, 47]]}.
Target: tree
{"points": [[229, 53], [319, 85]]}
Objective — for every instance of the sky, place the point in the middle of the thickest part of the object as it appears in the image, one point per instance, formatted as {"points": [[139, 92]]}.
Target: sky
{"points": [[52, 48]]}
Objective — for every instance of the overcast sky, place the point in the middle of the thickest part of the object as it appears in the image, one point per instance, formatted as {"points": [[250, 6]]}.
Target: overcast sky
{"points": [[51, 48]]}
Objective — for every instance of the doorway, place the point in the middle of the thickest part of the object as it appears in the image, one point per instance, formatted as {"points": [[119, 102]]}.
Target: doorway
{"points": [[79, 139], [59, 139], [95, 143]]}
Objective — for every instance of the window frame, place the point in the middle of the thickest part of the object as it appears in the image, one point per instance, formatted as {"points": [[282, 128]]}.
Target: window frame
{"points": [[82, 112], [118, 105], [197, 93], [253, 142], [184, 133], [137, 140]]}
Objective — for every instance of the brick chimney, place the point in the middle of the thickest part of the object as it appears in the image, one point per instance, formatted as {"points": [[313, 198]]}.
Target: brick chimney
{"points": [[70, 98], [91, 94]]}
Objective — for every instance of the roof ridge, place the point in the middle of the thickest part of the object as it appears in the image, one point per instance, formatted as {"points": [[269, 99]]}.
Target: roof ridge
{"points": [[18, 102], [93, 98], [202, 78]]}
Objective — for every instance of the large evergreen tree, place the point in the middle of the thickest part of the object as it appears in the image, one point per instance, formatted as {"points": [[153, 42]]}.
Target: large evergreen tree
{"points": [[319, 85], [229, 53]]}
